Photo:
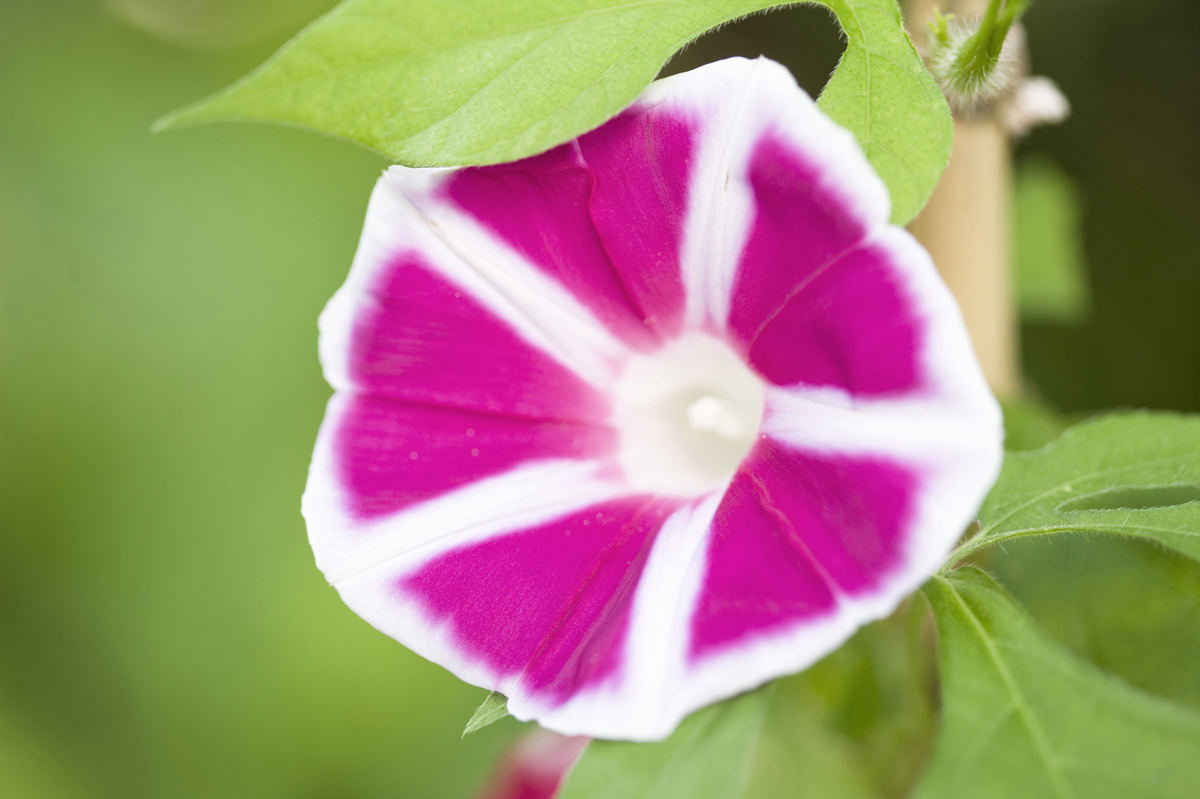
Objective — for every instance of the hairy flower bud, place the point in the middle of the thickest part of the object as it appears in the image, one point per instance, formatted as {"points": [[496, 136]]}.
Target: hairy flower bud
{"points": [[974, 63]]}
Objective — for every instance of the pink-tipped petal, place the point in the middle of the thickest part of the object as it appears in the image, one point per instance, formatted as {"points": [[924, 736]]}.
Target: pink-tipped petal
{"points": [[535, 766]]}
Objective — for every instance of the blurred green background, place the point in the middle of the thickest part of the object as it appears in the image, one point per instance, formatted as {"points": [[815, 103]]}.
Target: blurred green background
{"points": [[163, 631]]}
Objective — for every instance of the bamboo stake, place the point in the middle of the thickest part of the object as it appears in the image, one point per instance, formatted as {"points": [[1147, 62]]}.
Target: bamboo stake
{"points": [[966, 224]]}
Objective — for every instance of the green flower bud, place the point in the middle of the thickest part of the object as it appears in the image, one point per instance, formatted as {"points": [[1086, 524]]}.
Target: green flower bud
{"points": [[977, 61]]}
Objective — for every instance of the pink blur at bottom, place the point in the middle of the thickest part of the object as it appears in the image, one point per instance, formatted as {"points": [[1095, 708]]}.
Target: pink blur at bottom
{"points": [[535, 767]]}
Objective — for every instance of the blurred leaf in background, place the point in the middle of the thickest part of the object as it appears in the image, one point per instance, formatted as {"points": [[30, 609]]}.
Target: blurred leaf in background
{"points": [[165, 632], [216, 23], [759, 746], [857, 725], [1029, 424], [1129, 150], [1048, 239]]}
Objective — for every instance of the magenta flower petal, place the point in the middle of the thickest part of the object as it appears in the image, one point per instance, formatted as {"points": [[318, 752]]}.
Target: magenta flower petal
{"points": [[394, 453], [644, 421], [419, 337], [796, 532], [795, 197], [562, 630], [858, 307], [602, 215]]}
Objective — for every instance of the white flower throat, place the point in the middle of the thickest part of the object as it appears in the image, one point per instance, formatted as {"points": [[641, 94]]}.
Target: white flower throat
{"points": [[687, 415]]}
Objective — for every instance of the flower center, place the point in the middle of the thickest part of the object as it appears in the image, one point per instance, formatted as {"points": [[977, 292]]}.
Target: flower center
{"points": [[687, 415]]}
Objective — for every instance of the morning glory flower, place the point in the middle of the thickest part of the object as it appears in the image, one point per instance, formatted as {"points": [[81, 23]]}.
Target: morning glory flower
{"points": [[648, 419]]}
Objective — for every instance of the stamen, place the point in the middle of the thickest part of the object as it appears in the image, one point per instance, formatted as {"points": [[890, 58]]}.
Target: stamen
{"points": [[713, 414], [687, 416]]}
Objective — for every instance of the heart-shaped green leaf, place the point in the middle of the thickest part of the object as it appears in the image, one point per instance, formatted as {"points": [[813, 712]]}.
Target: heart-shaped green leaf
{"points": [[1135, 474], [1022, 717], [439, 83]]}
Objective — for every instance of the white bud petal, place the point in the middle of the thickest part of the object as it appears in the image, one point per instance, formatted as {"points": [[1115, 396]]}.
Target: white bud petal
{"points": [[1036, 101]]}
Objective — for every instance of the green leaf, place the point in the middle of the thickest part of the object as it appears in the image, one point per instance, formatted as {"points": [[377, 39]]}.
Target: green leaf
{"points": [[1048, 248], [876, 692], [1022, 717], [437, 83], [759, 745], [884, 95], [857, 724], [1132, 608], [1134, 474], [493, 708]]}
